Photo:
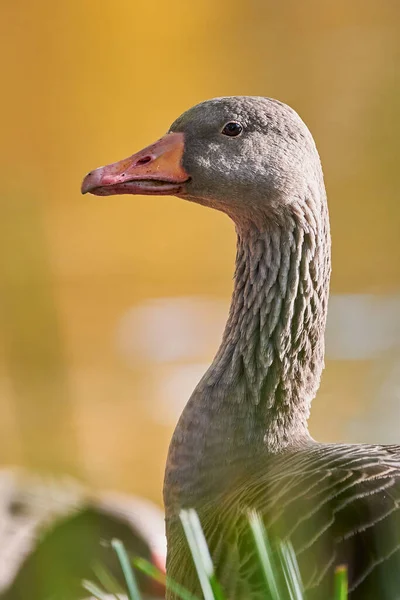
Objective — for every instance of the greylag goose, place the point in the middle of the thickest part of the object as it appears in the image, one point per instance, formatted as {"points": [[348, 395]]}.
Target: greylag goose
{"points": [[242, 441]]}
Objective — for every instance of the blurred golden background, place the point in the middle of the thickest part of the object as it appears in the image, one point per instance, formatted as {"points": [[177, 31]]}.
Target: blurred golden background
{"points": [[111, 308]]}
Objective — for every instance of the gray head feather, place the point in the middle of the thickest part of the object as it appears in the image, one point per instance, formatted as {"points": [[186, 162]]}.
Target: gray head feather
{"points": [[263, 171]]}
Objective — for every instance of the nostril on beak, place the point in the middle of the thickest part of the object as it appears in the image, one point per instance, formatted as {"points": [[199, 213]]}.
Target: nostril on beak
{"points": [[144, 160]]}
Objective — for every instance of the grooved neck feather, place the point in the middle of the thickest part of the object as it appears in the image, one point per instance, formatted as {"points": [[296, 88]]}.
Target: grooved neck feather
{"points": [[255, 397]]}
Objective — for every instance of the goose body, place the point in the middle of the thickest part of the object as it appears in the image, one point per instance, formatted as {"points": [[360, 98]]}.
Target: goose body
{"points": [[242, 441]]}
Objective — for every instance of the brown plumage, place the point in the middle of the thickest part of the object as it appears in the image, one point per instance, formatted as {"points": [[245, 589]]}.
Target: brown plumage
{"points": [[242, 441]]}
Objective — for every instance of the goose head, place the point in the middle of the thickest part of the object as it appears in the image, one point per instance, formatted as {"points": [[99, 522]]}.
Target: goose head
{"points": [[251, 157]]}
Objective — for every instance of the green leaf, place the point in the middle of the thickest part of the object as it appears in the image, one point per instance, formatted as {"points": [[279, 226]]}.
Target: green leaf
{"points": [[94, 590], [151, 571], [106, 579], [133, 590], [201, 555], [291, 571], [265, 553], [341, 583]]}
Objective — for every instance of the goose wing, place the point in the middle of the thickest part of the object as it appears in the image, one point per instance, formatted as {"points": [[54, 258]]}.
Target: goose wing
{"points": [[336, 504]]}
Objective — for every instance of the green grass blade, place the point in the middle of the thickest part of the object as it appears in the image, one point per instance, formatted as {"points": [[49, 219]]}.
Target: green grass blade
{"points": [[201, 555], [94, 590], [264, 553], [341, 583], [106, 579], [291, 572], [151, 571], [146, 567], [133, 590]]}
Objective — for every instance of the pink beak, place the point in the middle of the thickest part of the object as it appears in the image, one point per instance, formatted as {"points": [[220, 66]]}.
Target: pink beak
{"points": [[155, 170]]}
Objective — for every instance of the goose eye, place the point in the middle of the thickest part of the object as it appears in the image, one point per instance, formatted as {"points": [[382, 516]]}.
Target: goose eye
{"points": [[232, 129]]}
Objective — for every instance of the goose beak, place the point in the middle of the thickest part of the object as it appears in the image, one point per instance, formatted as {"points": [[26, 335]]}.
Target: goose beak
{"points": [[155, 170]]}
